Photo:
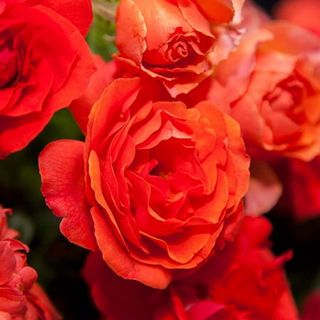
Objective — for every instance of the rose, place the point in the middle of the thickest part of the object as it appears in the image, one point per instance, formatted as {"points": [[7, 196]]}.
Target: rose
{"points": [[265, 189], [20, 296], [248, 279], [291, 10], [253, 17], [37, 76], [245, 281], [311, 309], [221, 11], [104, 74], [78, 12], [302, 186], [272, 83], [155, 187], [175, 52]]}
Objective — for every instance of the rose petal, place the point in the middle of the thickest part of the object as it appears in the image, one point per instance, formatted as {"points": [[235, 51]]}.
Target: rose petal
{"points": [[62, 175]]}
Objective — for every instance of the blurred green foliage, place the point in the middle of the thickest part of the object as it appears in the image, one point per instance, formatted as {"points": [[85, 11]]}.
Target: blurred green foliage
{"points": [[100, 37]]}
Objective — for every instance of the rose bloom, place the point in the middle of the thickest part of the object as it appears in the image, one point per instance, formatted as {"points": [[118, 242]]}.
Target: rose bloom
{"points": [[155, 187], [45, 63], [245, 281], [253, 17], [175, 52], [302, 185], [273, 86], [21, 298], [304, 13]]}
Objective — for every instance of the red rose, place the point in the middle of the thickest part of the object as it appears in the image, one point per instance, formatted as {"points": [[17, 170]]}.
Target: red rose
{"points": [[220, 11], [311, 307], [302, 183], [78, 12], [154, 186], [175, 52], [272, 83], [244, 281], [44, 64], [20, 296]]}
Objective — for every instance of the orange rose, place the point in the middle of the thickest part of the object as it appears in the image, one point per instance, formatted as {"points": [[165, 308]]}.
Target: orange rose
{"points": [[154, 187], [273, 85], [221, 11], [304, 13], [175, 51]]}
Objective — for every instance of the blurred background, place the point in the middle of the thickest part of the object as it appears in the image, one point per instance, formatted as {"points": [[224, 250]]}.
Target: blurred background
{"points": [[59, 263]]}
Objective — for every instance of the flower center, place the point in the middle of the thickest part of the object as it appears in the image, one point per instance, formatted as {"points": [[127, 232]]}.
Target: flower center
{"points": [[178, 51], [289, 94]]}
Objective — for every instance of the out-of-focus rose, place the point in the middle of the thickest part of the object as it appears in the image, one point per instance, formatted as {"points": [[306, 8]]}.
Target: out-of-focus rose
{"points": [[302, 183], [172, 40], [45, 63], [311, 307], [304, 13], [248, 280], [265, 189], [79, 12], [253, 17], [273, 84], [21, 298], [155, 187], [219, 11], [245, 282]]}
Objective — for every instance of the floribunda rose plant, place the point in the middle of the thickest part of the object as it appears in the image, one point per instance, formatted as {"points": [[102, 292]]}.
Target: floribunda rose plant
{"points": [[180, 52], [272, 84], [245, 281], [45, 63], [156, 187], [20, 296]]}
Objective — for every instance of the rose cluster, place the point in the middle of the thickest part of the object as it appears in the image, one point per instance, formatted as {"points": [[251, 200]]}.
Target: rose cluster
{"points": [[186, 134]]}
